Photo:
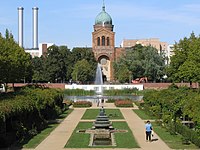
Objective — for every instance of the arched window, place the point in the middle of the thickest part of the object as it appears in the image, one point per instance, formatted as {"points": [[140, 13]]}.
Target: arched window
{"points": [[103, 40], [108, 41], [98, 41]]}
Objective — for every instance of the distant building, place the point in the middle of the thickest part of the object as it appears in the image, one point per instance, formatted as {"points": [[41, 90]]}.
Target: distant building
{"points": [[154, 42], [103, 43], [170, 52], [39, 52]]}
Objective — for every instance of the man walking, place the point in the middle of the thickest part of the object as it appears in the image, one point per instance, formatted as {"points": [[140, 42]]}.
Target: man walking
{"points": [[149, 129]]}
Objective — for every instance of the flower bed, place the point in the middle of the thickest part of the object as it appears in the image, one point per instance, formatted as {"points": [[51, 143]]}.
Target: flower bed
{"points": [[123, 103], [82, 104]]}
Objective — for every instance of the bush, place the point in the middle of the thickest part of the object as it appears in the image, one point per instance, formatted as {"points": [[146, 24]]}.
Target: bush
{"points": [[82, 104], [25, 113], [123, 103], [110, 101]]}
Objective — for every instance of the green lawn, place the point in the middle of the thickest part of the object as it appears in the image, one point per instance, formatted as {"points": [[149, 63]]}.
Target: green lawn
{"points": [[36, 140], [173, 141], [143, 115], [81, 140], [124, 140], [111, 113]]}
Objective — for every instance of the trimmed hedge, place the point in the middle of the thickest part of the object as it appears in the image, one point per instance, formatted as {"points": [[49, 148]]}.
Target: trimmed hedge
{"points": [[187, 133], [24, 114], [82, 104]]}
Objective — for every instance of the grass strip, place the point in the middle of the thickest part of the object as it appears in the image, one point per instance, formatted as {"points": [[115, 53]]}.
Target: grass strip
{"points": [[36, 140], [111, 113], [173, 141], [81, 140], [143, 115]]}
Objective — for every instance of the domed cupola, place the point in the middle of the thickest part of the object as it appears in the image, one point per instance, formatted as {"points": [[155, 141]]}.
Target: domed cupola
{"points": [[103, 18]]}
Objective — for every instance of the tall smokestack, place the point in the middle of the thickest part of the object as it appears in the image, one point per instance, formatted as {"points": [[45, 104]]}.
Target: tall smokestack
{"points": [[35, 28], [20, 26]]}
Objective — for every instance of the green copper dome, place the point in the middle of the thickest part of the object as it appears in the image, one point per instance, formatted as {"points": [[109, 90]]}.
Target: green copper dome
{"points": [[103, 18]]}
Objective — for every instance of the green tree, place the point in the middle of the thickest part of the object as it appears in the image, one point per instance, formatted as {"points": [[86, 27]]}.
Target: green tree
{"points": [[185, 63], [82, 72], [143, 61], [122, 73], [58, 64], [15, 63]]}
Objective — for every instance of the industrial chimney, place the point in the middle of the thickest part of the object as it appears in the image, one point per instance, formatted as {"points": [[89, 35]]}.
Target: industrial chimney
{"points": [[35, 28], [20, 26]]}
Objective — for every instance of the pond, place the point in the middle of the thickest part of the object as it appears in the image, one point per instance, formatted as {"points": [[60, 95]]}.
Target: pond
{"points": [[98, 97]]}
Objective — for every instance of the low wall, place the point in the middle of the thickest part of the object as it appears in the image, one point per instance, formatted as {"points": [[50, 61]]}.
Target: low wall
{"points": [[145, 85], [166, 85]]}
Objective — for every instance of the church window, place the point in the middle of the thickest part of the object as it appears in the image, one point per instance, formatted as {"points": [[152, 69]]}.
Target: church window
{"points": [[98, 41], [108, 41], [103, 40]]}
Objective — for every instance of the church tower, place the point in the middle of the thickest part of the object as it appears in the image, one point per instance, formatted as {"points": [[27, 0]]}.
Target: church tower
{"points": [[103, 43]]}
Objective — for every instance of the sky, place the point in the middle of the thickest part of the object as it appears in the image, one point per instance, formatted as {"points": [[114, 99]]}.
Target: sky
{"points": [[70, 22]]}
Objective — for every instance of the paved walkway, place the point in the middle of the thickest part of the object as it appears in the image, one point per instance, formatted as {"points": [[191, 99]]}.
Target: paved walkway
{"points": [[59, 137]]}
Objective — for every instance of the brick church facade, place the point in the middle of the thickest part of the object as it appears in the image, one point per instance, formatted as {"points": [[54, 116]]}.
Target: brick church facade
{"points": [[103, 44]]}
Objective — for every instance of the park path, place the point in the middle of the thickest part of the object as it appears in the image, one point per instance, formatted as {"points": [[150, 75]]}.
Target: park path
{"points": [[59, 137], [137, 125]]}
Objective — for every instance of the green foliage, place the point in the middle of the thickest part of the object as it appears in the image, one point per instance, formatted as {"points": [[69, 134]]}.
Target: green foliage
{"points": [[59, 64], [174, 141], [82, 104], [185, 64], [82, 72], [78, 92], [119, 92], [140, 61], [37, 139], [27, 111], [15, 64], [173, 104]]}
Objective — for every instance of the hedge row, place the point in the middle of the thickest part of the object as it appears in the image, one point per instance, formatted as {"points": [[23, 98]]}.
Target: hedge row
{"points": [[174, 105], [24, 115], [82, 104]]}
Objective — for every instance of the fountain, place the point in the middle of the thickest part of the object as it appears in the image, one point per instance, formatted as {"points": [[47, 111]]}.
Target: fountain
{"points": [[99, 76], [99, 80], [102, 131]]}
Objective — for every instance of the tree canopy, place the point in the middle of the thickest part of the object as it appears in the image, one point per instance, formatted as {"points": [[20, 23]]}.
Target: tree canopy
{"points": [[59, 65], [141, 61], [185, 63], [15, 63]]}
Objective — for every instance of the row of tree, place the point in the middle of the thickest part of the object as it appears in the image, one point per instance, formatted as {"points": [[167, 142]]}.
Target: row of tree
{"points": [[61, 64], [176, 106]]}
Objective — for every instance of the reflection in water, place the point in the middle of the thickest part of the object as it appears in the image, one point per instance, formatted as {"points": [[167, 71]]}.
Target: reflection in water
{"points": [[95, 98]]}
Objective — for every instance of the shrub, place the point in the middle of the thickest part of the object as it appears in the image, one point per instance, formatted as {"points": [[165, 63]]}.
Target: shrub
{"points": [[123, 103], [110, 101], [82, 104], [67, 102]]}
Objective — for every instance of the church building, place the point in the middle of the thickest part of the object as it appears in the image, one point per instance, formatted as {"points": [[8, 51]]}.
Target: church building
{"points": [[103, 43]]}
